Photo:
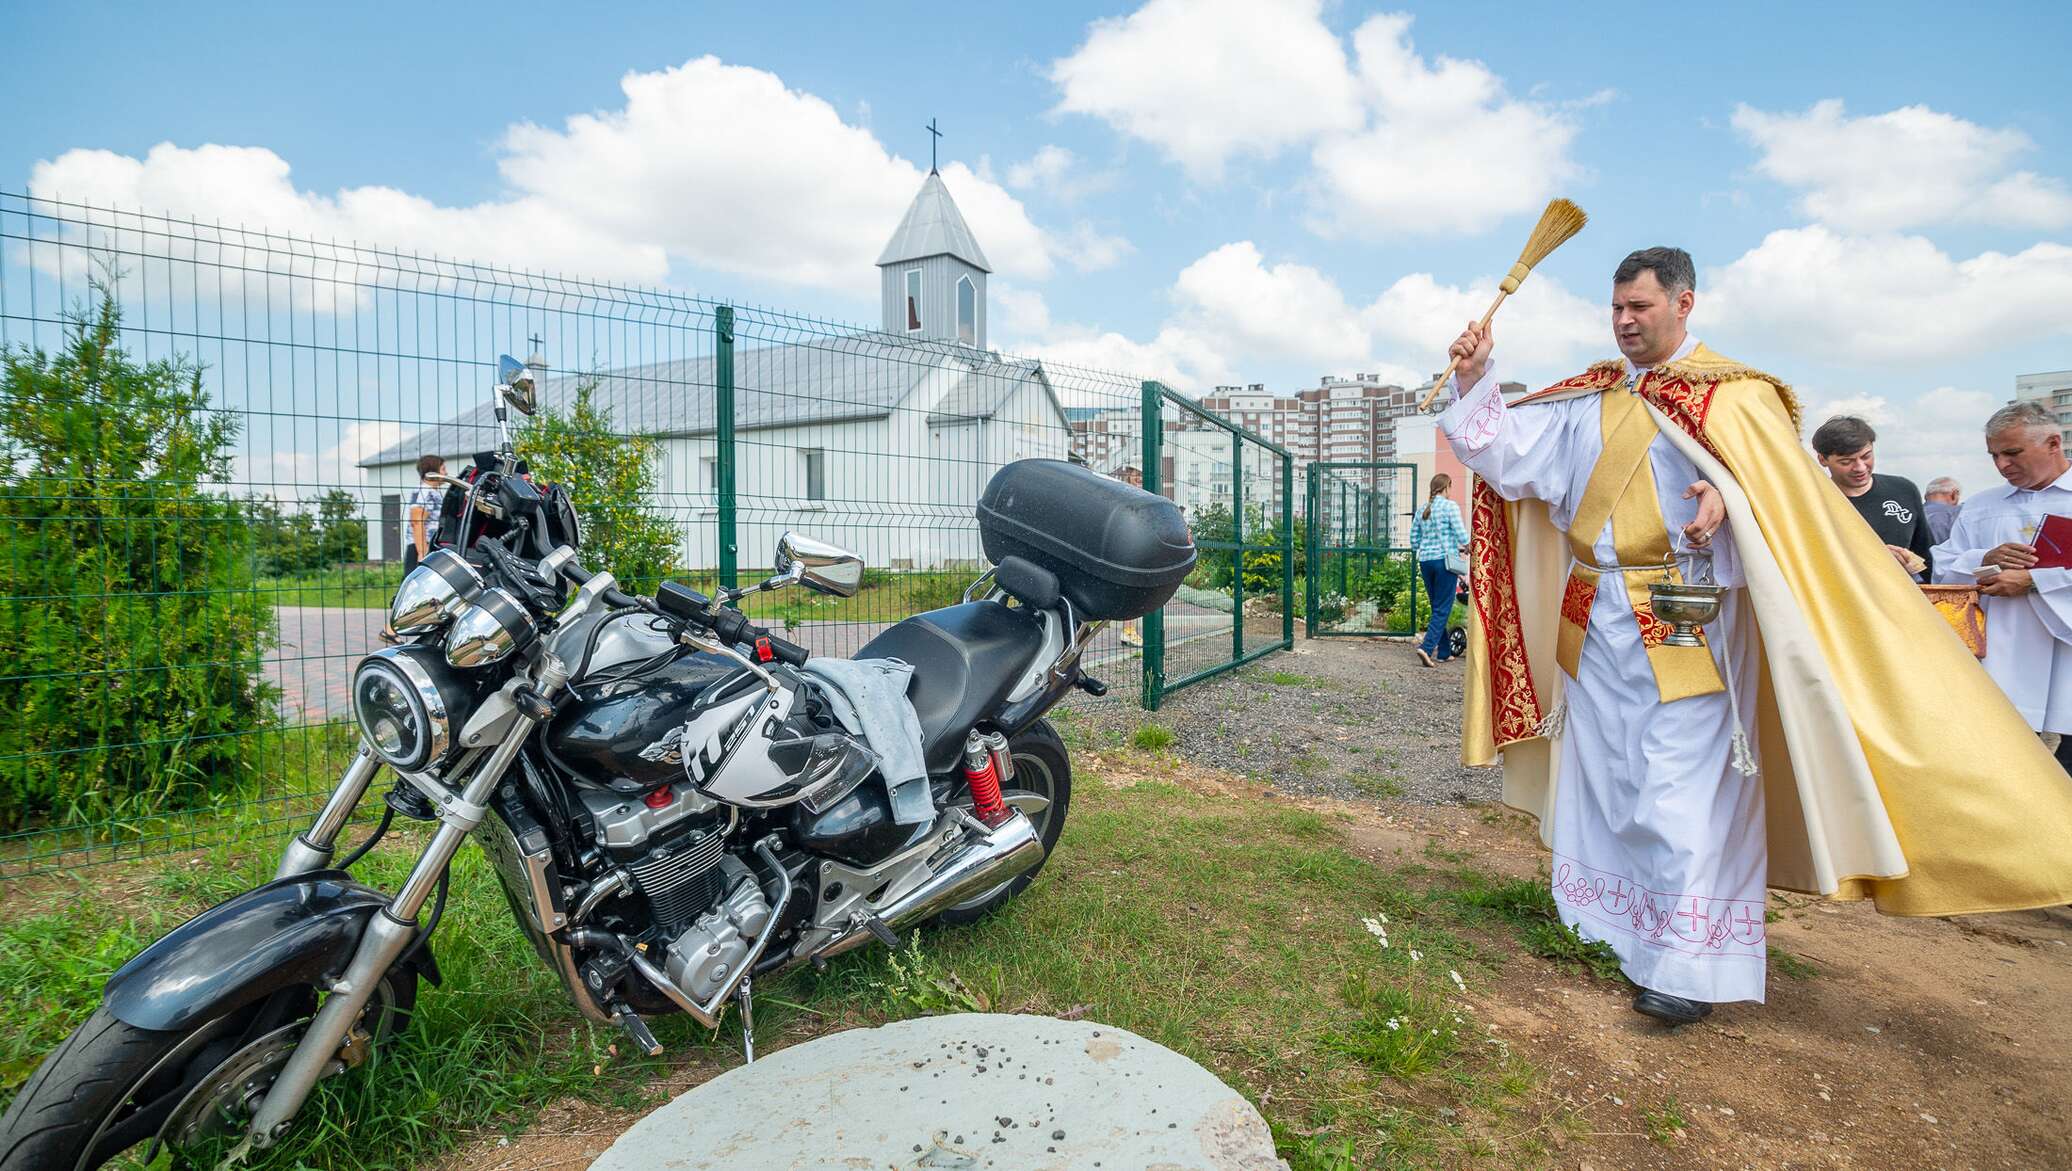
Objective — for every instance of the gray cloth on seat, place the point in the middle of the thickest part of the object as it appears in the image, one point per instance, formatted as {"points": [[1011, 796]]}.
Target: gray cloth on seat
{"points": [[869, 697]]}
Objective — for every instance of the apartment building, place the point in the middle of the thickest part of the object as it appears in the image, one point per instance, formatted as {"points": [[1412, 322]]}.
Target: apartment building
{"points": [[2054, 390]]}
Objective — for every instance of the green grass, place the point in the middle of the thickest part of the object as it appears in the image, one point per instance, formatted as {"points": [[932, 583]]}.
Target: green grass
{"points": [[1291, 679], [360, 587], [1385, 786], [1665, 1123], [887, 596], [1791, 965], [1153, 737], [1230, 929], [1527, 904]]}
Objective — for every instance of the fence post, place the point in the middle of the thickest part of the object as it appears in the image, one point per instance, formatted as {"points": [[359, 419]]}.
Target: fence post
{"points": [[1154, 622], [1288, 550], [723, 411], [1237, 533], [1310, 567]]}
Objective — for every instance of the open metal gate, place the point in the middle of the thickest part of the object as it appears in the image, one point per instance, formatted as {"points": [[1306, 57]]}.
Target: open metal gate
{"points": [[1360, 575]]}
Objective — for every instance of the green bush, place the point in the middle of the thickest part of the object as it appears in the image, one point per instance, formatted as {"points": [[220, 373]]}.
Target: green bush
{"points": [[1402, 620], [610, 477], [127, 622]]}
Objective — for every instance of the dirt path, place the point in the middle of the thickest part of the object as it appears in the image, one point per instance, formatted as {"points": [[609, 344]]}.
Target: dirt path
{"points": [[1886, 1043]]}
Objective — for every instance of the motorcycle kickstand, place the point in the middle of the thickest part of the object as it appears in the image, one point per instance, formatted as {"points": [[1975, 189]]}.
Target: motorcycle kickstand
{"points": [[745, 994]]}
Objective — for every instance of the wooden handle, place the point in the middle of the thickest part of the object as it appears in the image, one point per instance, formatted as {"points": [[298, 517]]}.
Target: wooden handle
{"points": [[1426, 405]]}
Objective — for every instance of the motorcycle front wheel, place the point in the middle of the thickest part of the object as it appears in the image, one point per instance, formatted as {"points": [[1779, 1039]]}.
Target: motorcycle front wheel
{"points": [[1042, 768], [111, 1092]]}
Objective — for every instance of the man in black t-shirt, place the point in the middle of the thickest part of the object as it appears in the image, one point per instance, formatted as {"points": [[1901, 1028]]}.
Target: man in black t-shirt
{"points": [[1891, 504]]}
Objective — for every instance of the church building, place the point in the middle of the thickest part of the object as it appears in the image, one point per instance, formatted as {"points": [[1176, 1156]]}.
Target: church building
{"points": [[880, 442]]}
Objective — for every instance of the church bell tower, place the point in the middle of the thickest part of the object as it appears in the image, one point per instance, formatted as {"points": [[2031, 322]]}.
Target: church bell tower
{"points": [[933, 274]]}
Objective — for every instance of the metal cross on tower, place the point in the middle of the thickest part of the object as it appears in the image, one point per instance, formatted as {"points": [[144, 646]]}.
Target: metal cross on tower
{"points": [[936, 136]]}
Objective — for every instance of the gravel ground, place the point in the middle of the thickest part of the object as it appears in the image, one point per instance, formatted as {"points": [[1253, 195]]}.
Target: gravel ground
{"points": [[1349, 718]]}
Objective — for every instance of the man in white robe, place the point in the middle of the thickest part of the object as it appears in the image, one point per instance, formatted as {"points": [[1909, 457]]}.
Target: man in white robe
{"points": [[1657, 837], [2028, 610]]}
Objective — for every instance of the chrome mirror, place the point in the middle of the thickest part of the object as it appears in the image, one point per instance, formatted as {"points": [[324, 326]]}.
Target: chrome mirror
{"points": [[819, 566], [515, 383]]}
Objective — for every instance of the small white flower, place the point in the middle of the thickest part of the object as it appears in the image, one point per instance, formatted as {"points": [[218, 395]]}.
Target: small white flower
{"points": [[1415, 955], [1457, 981], [1394, 1024]]}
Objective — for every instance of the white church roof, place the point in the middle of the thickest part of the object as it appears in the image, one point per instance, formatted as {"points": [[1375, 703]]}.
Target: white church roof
{"points": [[933, 227], [829, 380]]}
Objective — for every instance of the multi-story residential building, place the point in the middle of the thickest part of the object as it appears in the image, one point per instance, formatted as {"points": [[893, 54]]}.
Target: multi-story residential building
{"points": [[1340, 420], [2054, 390]]}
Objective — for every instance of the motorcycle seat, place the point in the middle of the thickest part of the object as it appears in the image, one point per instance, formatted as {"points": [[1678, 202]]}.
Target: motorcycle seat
{"points": [[966, 660]]}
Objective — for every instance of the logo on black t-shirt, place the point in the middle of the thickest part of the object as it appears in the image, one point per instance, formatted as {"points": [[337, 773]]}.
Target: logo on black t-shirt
{"points": [[1899, 512]]}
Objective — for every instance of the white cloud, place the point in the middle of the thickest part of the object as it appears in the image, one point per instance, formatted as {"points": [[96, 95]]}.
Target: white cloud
{"points": [[1236, 313], [1395, 140], [1088, 249], [1887, 299], [1904, 168], [1207, 80], [1422, 163], [1936, 433], [713, 165], [1058, 173]]}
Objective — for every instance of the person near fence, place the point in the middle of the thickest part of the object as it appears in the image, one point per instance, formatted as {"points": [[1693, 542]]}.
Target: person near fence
{"points": [[1994, 544], [424, 511], [1942, 499], [1440, 542], [1800, 744], [1846, 446]]}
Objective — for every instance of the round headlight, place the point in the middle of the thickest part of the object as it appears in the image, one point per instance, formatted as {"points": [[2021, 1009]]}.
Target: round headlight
{"points": [[403, 709], [430, 594], [489, 630]]}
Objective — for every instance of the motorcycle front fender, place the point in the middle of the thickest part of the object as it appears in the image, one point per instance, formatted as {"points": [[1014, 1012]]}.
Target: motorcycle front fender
{"points": [[297, 930]]}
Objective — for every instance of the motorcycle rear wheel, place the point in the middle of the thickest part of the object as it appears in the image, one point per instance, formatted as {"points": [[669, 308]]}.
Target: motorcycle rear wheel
{"points": [[1042, 767], [110, 1087]]}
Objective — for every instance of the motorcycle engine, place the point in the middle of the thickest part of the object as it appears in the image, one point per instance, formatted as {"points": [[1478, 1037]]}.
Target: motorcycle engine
{"points": [[707, 906]]}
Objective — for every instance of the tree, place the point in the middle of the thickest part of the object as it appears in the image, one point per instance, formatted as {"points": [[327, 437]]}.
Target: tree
{"points": [[129, 632], [612, 478], [341, 534]]}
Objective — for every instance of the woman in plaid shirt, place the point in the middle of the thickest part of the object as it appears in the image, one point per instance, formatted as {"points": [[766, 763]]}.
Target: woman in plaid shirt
{"points": [[1437, 534]]}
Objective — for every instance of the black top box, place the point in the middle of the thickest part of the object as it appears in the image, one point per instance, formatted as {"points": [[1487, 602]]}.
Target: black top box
{"points": [[1119, 552]]}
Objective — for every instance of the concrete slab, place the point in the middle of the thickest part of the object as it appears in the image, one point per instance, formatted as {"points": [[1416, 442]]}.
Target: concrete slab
{"points": [[970, 1091]]}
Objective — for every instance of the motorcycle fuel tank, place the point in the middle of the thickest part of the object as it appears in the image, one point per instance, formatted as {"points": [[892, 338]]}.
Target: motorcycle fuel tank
{"points": [[614, 736]]}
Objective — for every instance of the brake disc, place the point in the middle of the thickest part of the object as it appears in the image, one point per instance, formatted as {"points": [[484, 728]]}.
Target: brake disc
{"points": [[225, 1099]]}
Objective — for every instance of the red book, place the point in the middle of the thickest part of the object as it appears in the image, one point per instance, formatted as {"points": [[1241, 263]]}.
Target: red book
{"points": [[2054, 543]]}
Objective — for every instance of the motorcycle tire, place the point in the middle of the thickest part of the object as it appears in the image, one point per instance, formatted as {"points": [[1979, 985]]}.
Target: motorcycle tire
{"points": [[77, 1111], [1042, 766]]}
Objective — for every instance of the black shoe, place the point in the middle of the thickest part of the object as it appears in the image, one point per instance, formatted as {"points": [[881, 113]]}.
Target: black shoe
{"points": [[1670, 1010]]}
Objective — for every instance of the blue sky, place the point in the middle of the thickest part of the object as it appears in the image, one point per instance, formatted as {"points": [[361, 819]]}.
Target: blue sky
{"points": [[1247, 192]]}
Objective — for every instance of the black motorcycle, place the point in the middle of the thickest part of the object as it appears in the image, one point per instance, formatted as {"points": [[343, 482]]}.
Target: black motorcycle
{"points": [[676, 802]]}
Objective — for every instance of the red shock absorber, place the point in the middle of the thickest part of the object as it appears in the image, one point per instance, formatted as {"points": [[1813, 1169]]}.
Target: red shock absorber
{"points": [[984, 779]]}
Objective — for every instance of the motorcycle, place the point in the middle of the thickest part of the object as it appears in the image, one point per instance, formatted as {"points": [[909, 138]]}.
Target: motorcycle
{"points": [[677, 803]]}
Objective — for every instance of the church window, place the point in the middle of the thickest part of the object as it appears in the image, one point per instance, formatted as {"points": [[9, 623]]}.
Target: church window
{"points": [[816, 479], [967, 311], [913, 300]]}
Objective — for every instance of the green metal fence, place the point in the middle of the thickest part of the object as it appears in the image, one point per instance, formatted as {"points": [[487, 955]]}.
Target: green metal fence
{"points": [[1238, 492], [1360, 576], [205, 503]]}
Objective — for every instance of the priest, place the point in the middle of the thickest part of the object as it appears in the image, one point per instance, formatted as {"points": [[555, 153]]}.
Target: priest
{"points": [[1993, 542], [1807, 744]]}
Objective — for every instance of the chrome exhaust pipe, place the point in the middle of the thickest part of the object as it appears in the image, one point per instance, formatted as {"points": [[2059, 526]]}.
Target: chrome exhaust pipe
{"points": [[978, 864]]}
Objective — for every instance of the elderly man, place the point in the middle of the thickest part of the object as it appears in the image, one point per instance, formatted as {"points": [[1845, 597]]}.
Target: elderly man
{"points": [[2028, 610], [1941, 500], [1794, 742]]}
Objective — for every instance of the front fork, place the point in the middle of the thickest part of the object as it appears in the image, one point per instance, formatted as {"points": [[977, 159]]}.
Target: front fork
{"points": [[390, 929]]}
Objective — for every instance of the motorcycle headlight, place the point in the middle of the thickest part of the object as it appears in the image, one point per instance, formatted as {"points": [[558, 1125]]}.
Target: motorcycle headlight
{"points": [[430, 594], [406, 703], [489, 630]]}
